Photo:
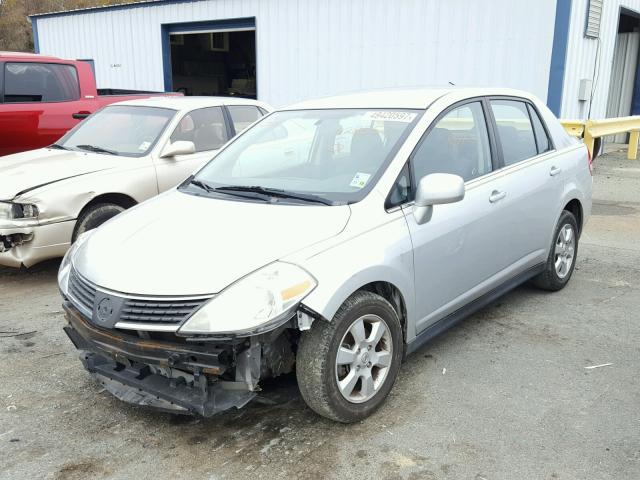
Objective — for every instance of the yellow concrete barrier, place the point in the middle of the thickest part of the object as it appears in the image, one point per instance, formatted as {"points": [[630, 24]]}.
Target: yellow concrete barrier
{"points": [[589, 130]]}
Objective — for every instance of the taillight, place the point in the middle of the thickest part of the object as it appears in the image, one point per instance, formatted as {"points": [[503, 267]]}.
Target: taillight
{"points": [[589, 159]]}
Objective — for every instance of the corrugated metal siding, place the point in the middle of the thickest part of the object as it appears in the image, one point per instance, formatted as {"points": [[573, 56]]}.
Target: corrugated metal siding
{"points": [[309, 48], [582, 54]]}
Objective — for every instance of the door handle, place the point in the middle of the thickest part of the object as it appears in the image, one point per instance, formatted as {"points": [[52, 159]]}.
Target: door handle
{"points": [[554, 171], [80, 115], [496, 196]]}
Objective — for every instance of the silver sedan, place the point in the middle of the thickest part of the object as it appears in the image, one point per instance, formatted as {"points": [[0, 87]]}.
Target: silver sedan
{"points": [[331, 238]]}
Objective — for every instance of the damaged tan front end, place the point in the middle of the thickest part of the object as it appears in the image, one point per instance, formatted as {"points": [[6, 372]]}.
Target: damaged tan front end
{"points": [[27, 242]]}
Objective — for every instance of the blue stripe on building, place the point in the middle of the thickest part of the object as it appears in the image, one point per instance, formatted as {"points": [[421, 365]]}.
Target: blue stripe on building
{"points": [[559, 56], [36, 40]]}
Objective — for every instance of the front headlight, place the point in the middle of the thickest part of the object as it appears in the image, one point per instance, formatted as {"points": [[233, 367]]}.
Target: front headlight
{"points": [[257, 303], [14, 211], [65, 266]]}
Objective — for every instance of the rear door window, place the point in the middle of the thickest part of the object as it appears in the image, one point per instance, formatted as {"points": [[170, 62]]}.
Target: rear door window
{"points": [[243, 115], [458, 144], [26, 82], [515, 132], [204, 127]]}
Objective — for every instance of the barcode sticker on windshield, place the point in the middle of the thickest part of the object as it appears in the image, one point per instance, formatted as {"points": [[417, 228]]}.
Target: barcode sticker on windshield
{"points": [[360, 180], [389, 116], [144, 146]]}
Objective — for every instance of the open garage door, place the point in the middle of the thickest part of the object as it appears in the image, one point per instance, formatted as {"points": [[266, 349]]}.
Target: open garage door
{"points": [[212, 58]]}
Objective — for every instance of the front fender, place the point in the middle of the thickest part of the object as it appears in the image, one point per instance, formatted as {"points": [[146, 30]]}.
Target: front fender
{"points": [[383, 254]]}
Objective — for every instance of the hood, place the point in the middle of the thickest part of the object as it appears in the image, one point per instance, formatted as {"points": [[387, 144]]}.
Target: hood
{"points": [[26, 171], [181, 244]]}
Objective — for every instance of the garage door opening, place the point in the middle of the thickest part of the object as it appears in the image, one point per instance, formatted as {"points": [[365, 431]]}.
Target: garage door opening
{"points": [[219, 63], [624, 71]]}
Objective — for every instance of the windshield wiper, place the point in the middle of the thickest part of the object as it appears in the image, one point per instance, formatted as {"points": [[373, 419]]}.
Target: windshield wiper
{"points": [[274, 192], [204, 186], [93, 148], [57, 146]]}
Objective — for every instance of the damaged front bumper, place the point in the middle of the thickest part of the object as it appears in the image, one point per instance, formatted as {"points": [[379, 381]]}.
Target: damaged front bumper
{"points": [[170, 376], [28, 245]]}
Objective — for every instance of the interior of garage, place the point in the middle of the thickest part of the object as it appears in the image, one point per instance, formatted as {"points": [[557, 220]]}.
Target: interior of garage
{"points": [[214, 63], [624, 71]]}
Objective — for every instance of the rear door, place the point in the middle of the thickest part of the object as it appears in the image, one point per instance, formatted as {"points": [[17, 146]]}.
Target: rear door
{"points": [[456, 254], [207, 129], [531, 179], [38, 104]]}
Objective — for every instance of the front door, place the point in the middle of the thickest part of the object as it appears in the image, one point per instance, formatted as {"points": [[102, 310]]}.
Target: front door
{"points": [[207, 130], [455, 254]]}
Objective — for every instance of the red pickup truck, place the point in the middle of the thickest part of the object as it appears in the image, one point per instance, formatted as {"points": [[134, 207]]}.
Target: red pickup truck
{"points": [[42, 97]]}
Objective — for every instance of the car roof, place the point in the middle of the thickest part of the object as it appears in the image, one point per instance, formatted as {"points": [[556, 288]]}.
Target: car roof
{"points": [[411, 98], [27, 56], [178, 102]]}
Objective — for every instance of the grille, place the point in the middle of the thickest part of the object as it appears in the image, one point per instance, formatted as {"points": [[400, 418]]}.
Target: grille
{"points": [[82, 292], [158, 311], [134, 310]]}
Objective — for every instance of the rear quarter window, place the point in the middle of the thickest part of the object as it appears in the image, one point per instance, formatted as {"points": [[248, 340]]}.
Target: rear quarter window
{"points": [[26, 82], [542, 139]]}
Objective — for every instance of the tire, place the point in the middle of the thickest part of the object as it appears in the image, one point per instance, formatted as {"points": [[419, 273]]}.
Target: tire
{"points": [[318, 370], [554, 278], [95, 216]]}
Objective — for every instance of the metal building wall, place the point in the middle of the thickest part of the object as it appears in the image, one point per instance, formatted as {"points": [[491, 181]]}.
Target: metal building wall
{"points": [[310, 48], [591, 58]]}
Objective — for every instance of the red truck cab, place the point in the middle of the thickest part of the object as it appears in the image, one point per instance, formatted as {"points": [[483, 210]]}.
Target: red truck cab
{"points": [[43, 97]]}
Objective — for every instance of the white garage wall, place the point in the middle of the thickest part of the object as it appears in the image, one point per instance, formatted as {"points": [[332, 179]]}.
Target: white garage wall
{"points": [[583, 58], [310, 48]]}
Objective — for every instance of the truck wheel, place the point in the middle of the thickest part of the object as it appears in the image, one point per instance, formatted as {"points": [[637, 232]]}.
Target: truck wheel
{"points": [[347, 367], [562, 257], [95, 216]]}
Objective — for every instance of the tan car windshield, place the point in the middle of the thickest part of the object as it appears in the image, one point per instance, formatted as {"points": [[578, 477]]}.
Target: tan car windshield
{"points": [[121, 129]]}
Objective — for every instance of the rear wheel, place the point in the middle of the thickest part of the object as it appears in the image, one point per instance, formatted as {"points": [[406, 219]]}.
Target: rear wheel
{"points": [[95, 216], [562, 257], [347, 367]]}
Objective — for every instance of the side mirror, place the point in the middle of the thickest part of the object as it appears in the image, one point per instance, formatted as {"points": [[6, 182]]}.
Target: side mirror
{"points": [[436, 189], [181, 147]]}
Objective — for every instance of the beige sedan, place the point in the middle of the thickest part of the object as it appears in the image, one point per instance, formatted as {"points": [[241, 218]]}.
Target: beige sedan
{"points": [[118, 157]]}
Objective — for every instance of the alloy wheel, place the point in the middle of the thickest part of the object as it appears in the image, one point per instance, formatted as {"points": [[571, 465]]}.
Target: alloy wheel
{"points": [[363, 358], [565, 250]]}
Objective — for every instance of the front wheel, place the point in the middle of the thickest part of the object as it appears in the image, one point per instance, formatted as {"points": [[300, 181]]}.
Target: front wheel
{"points": [[562, 257], [95, 216], [347, 367]]}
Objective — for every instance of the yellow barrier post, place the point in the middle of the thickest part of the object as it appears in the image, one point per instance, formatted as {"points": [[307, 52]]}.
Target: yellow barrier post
{"points": [[588, 137], [632, 152]]}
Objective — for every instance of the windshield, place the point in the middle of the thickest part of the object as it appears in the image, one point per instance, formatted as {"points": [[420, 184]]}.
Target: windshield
{"points": [[335, 155], [119, 129]]}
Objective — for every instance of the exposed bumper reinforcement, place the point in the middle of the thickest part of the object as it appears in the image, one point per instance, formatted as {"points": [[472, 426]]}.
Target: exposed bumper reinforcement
{"points": [[137, 386], [121, 363]]}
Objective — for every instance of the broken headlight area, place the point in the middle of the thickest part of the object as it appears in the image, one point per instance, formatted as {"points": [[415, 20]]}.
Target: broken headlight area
{"points": [[15, 211], [174, 374], [7, 242]]}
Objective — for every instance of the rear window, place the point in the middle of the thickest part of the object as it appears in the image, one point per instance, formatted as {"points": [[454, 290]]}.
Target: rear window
{"points": [[243, 115], [40, 82], [514, 130]]}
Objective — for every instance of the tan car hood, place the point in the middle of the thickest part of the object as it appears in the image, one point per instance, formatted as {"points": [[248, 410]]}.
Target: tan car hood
{"points": [[26, 171], [181, 244]]}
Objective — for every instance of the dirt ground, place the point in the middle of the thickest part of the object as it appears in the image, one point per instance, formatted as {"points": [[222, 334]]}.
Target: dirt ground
{"points": [[506, 394]]}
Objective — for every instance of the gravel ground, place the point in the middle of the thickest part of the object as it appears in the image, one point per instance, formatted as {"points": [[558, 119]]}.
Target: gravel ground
{"points": [[504, 395]]}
